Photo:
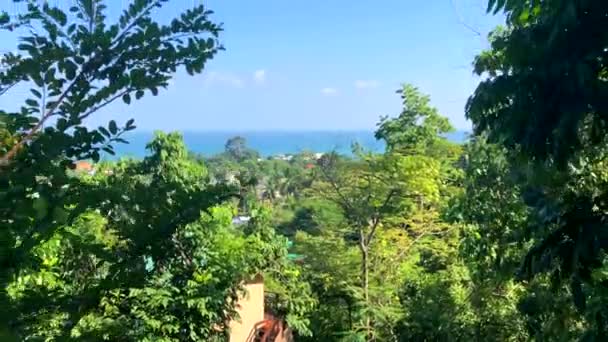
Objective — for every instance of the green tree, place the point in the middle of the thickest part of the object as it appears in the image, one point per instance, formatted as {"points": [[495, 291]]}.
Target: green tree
{"points": [[154, 207], [288, 294], [419, 127], [404, 253], [236, 149], [420, 130], [158, 258], [494, 239], [435, 292], [545, 88], [75, 63], [313, 216], [379, 194], [371, 192], [542, 98]]}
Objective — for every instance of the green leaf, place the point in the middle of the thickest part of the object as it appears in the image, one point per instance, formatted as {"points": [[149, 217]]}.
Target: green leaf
{"points": [[109, 150], [32, 103], [71, 29], [62, 124], [26, 47], [499, 5], [60, 215], [40, 206], [4, 18], [139, 94], [70, 70], [37, 79], [490, 5], [58, 15], [130, 122], [104, 131], [126, 98], [49, 75], [524, 16], [36, 93], [112, 126]]}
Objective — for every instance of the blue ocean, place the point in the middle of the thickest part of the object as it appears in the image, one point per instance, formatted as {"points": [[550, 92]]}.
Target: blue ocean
{"points": [[267, 143]]}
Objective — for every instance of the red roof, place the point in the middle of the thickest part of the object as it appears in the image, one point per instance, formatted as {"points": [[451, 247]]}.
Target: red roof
{"points": [[83, 165]]}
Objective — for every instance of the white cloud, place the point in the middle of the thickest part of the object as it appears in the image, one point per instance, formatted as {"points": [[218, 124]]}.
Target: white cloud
{"points": [[228, 79], [329, 91], [366, 84], [259, 76]]}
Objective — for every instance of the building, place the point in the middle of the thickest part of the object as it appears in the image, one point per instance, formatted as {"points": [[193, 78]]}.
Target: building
{"points": [[84, 166], [255, 324], [239, 220], [285, 157]]}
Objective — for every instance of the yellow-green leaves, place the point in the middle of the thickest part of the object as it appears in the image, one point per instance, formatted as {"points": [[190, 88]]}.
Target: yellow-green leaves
{"points": [[109, 242], [418, 127], [421, 176]]}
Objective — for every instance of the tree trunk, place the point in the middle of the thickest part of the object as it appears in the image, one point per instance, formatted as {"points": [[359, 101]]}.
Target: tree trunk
{"points": [[363, 246], [365, 274]]}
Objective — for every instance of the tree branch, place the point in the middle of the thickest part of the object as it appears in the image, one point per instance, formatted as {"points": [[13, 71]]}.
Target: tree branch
{"points": [[8, 87], [334, 185], [5, 159], [376, 218], [101, 105], [419, 237], [461, 20], [133, 22]]}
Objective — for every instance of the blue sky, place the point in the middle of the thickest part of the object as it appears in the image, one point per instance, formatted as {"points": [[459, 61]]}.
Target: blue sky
{"points": [[318, 65]]}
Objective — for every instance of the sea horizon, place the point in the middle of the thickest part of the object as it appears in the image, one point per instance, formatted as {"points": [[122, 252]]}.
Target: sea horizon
{"points": [[266, 142]]}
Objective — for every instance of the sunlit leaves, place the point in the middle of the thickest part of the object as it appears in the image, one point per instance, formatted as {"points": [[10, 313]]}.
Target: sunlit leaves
{"points": [[119, 59], [156, 250], [75, 64], [418, 127]]}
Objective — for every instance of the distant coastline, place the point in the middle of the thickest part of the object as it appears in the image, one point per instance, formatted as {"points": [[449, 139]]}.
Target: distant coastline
{"points": [[267, 143]]}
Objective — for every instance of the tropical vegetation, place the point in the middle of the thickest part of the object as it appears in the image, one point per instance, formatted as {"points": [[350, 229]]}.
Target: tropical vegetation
{"points": [[501, 238]]}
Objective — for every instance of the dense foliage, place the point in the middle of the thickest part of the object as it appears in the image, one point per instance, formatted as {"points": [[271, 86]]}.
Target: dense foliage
{"points": [[142, 250], [502, 238]]}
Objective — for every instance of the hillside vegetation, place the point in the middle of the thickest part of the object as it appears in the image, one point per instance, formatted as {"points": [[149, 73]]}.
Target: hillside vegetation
{"points": [[502, 238]]}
